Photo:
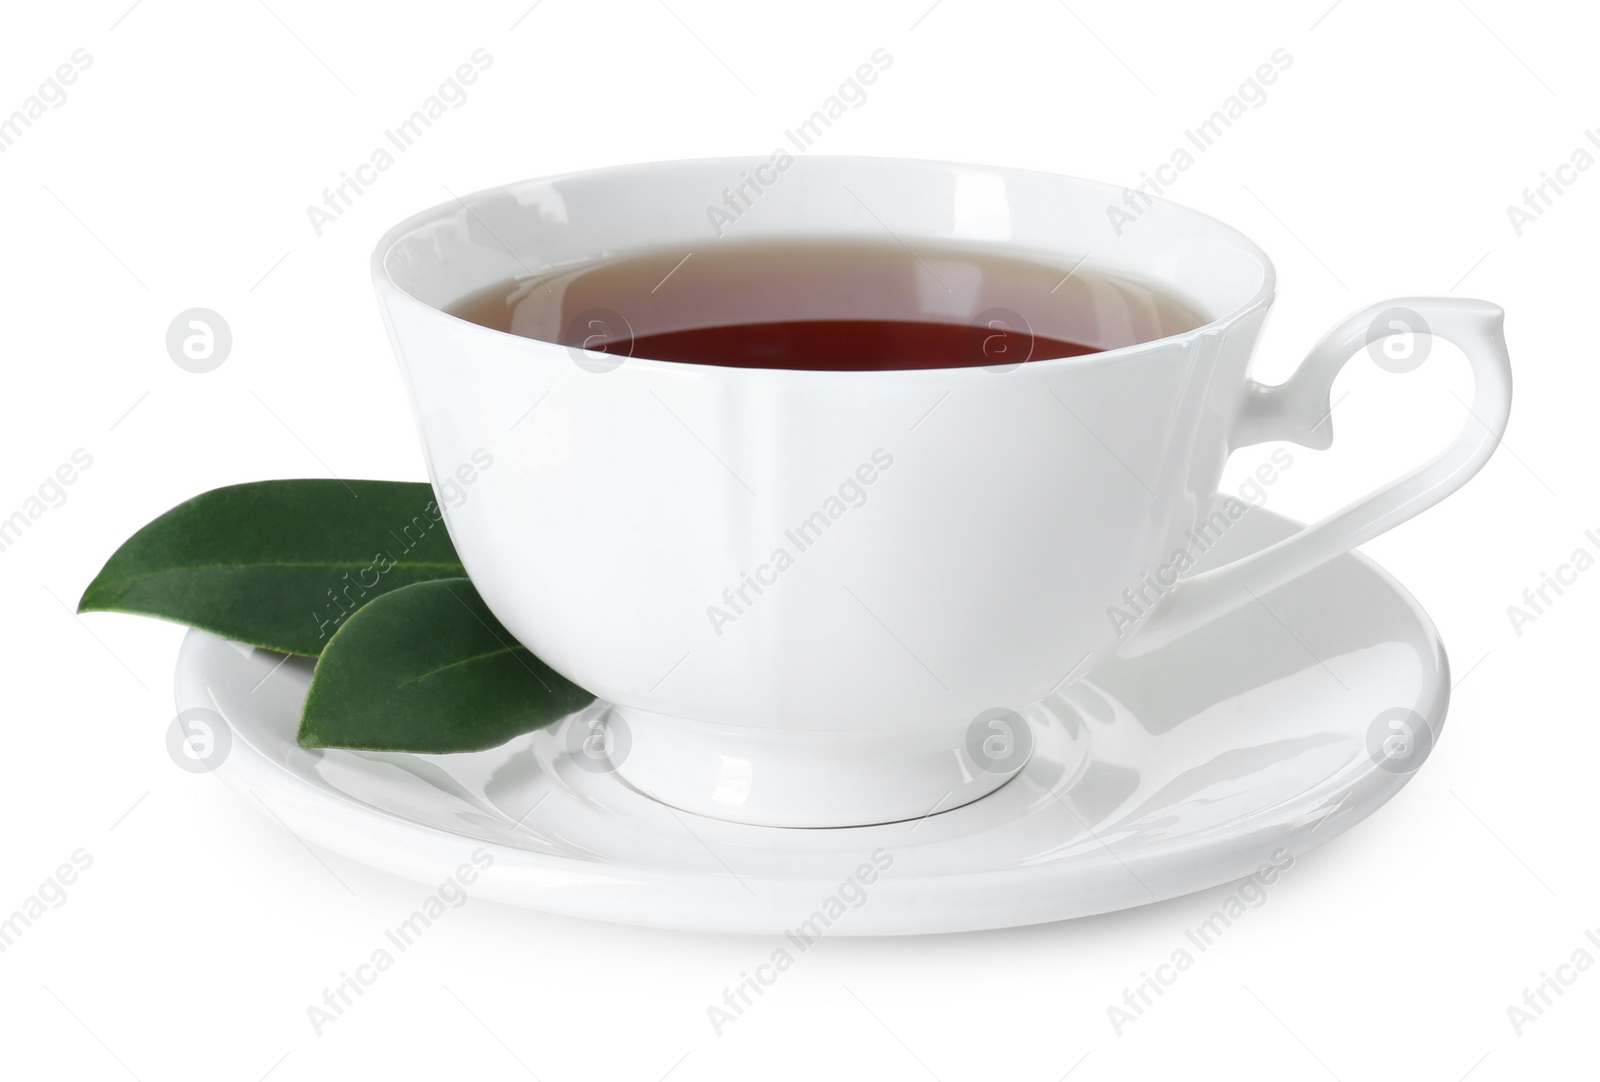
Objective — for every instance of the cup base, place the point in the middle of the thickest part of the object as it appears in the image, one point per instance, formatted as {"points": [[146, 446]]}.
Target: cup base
{"points": [[811, 778]]}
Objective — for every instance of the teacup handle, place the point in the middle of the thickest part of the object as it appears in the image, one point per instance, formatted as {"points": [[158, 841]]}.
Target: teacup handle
{"points": [[1299, 410]]}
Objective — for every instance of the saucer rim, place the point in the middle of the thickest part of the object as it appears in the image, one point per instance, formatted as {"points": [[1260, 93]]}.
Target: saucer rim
{"points": [[421, 852]]}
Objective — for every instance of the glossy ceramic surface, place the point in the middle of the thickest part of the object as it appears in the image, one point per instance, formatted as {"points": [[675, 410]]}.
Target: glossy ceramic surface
{"points": [[1266, 732], [971, 530]]}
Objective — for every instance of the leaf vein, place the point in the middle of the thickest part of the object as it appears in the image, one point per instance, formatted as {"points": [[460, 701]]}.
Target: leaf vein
{"points": [[497, 651]]}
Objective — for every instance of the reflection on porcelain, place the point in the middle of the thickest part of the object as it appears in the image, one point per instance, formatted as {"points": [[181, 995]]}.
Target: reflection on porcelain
{"points": [[1151, 777], [980, 573]]}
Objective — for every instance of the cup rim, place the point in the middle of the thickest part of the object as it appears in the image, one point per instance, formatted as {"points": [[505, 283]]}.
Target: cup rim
{"points": [[387, 287]]}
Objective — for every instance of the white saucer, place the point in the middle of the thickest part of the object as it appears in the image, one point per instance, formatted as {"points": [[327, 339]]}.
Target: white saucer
{"points": [[1261, 732]]}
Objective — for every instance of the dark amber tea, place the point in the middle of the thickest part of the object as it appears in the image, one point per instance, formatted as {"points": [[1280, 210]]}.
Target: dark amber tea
{"points": [[843, 306]]}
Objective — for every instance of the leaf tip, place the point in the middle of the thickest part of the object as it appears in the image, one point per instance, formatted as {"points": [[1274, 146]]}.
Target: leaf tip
{"points": [[306, 734], [88, 602]]}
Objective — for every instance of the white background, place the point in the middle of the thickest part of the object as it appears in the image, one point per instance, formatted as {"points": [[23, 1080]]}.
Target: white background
{"points": [[177, 175]]}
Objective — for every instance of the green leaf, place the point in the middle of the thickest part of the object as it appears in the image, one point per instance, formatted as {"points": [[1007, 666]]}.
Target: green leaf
{"points": [[428, 668], [278, 564]]}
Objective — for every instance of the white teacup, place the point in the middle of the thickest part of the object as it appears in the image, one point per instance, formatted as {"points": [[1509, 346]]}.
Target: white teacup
{"points": [[991, 523]]}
